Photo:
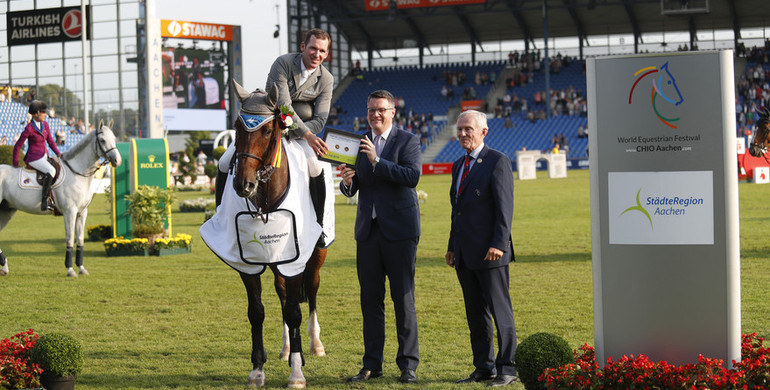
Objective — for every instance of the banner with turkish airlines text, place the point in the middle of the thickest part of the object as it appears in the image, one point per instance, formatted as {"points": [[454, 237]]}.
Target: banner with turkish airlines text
{"points": [[46, 25]]}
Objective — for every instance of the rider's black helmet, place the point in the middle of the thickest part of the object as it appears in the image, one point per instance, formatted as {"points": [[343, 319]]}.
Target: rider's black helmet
{"points": [[37, 106]]}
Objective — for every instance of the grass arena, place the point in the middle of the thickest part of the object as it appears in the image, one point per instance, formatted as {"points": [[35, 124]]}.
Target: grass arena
{"points": [[180, 321]]}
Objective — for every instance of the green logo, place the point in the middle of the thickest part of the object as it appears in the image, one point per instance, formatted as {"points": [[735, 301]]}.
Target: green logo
{"points": [[638, 208], [257, 241]]}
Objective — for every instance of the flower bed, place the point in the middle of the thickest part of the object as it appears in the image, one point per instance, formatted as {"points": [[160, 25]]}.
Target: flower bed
{"points": [[120, 246], [99, 232], [16, 371], [182, 243], [195, 205], [639, 372], [124, 247]]}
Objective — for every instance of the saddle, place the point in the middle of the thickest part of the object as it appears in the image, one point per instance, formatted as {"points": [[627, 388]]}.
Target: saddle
{"points": [[39, 176]]}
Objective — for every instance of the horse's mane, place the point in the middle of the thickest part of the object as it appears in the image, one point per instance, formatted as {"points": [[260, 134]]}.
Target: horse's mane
{"points": [[78, 147]]}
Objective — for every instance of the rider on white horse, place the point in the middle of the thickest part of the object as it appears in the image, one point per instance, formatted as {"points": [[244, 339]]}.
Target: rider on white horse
{"points": [[38, 134]]}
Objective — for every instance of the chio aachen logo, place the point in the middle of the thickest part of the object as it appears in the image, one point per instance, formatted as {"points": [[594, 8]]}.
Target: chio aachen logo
{"points": [[664, 85], [665, 206]]}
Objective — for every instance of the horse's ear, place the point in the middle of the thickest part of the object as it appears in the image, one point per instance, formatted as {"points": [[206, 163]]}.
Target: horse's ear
{"points": [[243, 94], [112, 122], [272, 96], [101, 123]]}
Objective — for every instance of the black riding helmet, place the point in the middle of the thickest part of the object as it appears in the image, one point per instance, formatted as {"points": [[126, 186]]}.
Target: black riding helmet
{"points": [[37, 106]]}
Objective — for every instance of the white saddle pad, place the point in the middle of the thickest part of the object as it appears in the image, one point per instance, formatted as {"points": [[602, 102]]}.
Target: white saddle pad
{"points": [[244, 242], [28, 179]]}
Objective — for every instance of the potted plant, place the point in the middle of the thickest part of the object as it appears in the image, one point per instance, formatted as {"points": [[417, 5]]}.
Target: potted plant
{"points": [[182, 243], [61, 358], [148, 207]]}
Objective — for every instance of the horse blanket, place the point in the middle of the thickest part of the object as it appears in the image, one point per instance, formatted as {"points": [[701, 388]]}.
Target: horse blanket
{"points": [[242, 240]]}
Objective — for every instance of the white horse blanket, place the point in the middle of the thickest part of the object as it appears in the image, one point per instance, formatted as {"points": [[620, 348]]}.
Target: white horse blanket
{"points": [[240, 238]]}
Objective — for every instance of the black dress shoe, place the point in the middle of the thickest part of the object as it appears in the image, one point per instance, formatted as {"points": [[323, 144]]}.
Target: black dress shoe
{"points": [[477, 376], [407, 376], [364, 375], [503, 380]]}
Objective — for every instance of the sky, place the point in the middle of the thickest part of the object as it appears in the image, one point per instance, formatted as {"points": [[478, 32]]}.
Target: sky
{"points": [[257, 19]]}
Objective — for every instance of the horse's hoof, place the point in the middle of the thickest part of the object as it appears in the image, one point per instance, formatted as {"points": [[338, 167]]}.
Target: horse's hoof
{"points": [[83, 271], [284, 355], [71, 273], [257, 378], [4, 270], [318, 350], [296, 378]]}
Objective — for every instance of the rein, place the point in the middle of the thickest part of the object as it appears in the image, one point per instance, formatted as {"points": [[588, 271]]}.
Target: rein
{"points": [[98, 166]]}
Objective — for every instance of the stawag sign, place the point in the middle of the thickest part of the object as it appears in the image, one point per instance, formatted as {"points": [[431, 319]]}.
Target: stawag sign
{"points": [[46, 25]]}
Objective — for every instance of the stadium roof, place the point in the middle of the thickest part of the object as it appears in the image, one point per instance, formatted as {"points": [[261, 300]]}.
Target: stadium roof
{"points": [[397, 26]]}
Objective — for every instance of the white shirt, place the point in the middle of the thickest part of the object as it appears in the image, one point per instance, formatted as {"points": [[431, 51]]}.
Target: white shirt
{"points": [[475, 154], [305, 73]]}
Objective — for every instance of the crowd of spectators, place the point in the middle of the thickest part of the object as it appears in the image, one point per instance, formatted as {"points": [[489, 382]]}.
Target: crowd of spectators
{"points": [[753, 87]]}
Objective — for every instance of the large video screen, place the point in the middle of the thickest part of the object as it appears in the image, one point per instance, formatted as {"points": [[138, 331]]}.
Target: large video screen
{"points": [[194, 89]]}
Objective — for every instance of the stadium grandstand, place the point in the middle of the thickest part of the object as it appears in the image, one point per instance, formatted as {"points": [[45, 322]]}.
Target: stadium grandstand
{"points": [[14, 117], [521, 61]]}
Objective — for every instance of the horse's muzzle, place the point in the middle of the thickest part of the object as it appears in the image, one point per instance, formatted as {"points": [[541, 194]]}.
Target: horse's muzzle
{"points": [[756, 151], [245, 188]]}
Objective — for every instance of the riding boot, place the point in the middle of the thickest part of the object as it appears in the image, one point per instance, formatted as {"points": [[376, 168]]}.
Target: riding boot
{"points": [[219, 188], [47, 181], [318, 195]]}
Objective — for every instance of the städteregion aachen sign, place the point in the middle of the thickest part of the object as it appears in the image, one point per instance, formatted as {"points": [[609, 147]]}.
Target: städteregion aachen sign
{"points": [[46, 25]]}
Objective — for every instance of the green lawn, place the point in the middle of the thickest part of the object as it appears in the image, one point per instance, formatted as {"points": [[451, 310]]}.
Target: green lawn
{"points": [[180, 321]]}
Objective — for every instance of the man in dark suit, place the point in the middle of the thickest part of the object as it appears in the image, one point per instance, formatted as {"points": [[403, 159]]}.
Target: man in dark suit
{"points": [[387, 231], [480, 249]]}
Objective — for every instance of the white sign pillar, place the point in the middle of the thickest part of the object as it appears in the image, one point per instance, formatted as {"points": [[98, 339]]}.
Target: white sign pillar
{"points": [[154, 64], [664, 206]]}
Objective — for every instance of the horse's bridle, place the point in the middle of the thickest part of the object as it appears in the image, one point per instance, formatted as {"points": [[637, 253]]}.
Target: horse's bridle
{"points": [[99, 134], [263, 174]]}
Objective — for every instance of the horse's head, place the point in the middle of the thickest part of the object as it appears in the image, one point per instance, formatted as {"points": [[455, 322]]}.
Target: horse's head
{"points": [[761, 139], [106, 144], [667, 87], [257, 133]]}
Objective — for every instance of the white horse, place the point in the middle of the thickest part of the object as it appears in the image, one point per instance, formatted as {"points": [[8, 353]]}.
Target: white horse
{"points": [[71, 191]]}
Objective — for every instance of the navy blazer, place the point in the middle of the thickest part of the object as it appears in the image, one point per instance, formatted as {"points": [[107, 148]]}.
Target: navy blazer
{"points": [[390, 187], [483, 212]]}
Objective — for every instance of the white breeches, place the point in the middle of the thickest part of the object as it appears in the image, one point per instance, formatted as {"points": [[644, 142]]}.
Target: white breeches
{"points": [[314, 166], [43, 165]]}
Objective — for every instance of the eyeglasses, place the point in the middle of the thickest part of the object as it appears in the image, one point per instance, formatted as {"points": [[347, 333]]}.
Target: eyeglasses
{"points": [[378, 110]]}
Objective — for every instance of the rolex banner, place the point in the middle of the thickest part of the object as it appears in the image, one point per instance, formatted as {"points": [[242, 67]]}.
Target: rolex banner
{"points": [[149, 165]]}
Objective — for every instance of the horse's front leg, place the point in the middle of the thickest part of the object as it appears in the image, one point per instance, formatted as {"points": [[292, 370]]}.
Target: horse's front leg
{"points": [[70, 217], [292, 317], [80, 225], [256, 313]]}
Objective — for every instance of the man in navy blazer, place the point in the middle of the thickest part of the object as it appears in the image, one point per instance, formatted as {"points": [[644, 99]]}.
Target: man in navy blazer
{"points": [[387, 231], [480, 249]]}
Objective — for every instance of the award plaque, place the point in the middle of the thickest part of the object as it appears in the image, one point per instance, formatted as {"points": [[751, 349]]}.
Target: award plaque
{"points": [[343, 147]]}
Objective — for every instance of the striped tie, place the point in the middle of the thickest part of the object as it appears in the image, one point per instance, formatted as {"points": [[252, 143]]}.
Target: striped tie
{"points": [[466, 169]]}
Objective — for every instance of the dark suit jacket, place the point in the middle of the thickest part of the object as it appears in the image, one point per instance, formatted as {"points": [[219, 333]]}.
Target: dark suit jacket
{"points": [[482, 214], [390, 187], [311, 102]]}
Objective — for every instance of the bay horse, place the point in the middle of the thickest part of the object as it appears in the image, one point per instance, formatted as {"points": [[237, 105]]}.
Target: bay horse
{"points": [[71, 192], [761, 141], [265, 184]]}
